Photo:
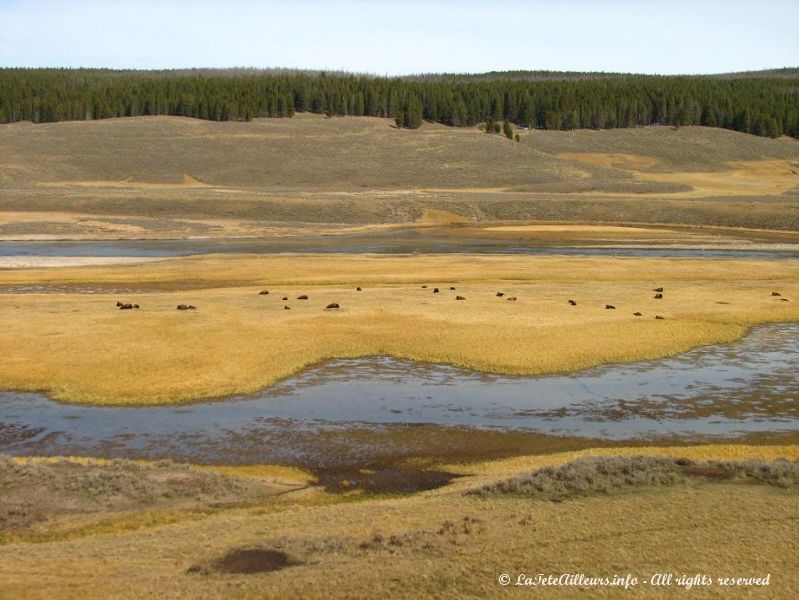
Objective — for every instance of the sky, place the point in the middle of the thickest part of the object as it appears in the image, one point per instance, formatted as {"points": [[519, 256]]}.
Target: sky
{"points": [[402, 37]]}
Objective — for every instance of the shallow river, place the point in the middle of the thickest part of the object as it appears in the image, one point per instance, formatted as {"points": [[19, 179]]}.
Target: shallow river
{"points": [[362, 411], [386, 242]]}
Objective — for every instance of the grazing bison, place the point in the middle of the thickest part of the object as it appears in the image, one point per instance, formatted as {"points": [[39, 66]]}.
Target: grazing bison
{"points": [[572, 303], [125, 306], [285, 298], [332, 305], [435, 290], [186, 307], [500, 294], [459, 298], [452, 289], [610, 307], [286, 307], [776, 294], [263, 293], [303, 297], [636, 314], [658, 317], [658, 296], [511, 298], [119, 304], [357, 289], [660, 289], [783, 299]]}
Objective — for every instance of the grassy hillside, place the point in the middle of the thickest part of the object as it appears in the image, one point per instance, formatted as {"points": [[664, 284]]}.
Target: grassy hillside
{"points": [[365, 170]]}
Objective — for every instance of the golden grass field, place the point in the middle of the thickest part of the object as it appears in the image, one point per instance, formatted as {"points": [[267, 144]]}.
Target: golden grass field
{"points": [[436, 544], [81, 348]]}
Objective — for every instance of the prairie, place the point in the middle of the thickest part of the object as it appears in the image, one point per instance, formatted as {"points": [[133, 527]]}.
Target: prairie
{"points": [[440, 543], [87, 527], [81, 348], [274, 173]]}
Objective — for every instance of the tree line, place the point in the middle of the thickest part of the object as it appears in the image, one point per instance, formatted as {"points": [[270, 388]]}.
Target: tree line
{"points": [[760, 105]]}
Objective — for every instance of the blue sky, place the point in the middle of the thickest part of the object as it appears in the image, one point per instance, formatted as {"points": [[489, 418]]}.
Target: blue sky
{"points": [[411, 36]]}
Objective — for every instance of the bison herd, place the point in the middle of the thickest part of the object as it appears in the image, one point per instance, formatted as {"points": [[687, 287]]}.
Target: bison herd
{"points": [[335, 305]]}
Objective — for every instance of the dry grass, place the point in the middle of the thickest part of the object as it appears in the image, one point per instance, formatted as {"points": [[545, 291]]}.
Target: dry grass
{"points": [[436, 544], [739, 178], [81, 348], [362, 170]]}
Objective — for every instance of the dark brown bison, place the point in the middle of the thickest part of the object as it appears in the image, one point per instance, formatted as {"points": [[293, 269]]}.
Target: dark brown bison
{"points": [[424, 287], [263, 293], [285, 298], [660, 289], [511, 298], [572, 303], [186, 307], [286, 307], [125, 306], [135, 306], [452, 289], [610, 307], [332, 305], [435, 290], [776, 294], [658, 317], [357, 289], [500, 294], [459, 298], [636, 314], [303, 297], [119, 304], [658, 296]]}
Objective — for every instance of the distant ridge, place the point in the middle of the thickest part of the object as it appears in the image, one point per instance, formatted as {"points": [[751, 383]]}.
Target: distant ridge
{"points": [[764, 103]]}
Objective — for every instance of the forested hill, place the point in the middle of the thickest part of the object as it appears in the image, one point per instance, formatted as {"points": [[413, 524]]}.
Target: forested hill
{"points": [[758, 103]]}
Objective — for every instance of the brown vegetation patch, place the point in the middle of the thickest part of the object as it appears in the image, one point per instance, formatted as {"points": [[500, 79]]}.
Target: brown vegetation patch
{"points": [[246, 561], [613, 474], [37, 490]]}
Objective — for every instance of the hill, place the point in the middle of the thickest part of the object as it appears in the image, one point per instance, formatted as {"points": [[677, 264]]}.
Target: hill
{"points": [[365, 170]]}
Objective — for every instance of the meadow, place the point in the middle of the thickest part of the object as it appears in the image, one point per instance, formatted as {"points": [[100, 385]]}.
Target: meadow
{"points": [[503, 501], [82, 348]]}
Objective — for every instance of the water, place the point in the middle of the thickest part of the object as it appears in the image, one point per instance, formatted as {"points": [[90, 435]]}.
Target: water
{"points": [[387, 242], [344, 411]]}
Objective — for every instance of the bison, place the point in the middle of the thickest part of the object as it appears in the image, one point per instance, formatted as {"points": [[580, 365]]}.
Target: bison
{"points": [[500, 294], [658, 296], [511, 298], [302, 297], [572, 303], [660, 289], [610, 307], [263, 293], [459, 298], [636, 314], [332, 305]]}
